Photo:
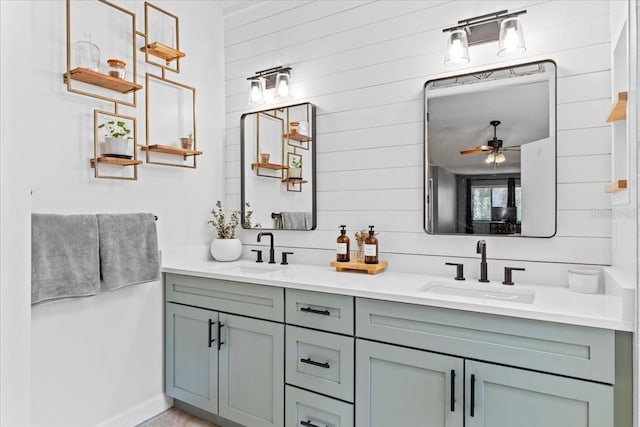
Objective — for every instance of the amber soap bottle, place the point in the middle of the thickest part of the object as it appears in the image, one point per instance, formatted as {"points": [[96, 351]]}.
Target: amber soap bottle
{"points": [[371, 248], [342, 245]]}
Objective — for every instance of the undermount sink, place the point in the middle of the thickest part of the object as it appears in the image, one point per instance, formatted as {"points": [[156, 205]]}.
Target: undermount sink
{"points": [[247, 269], [486, 292]]}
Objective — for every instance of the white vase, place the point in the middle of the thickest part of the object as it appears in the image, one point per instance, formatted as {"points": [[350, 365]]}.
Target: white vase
{"points": [[295, 173], [117, 146], [226, 249]]}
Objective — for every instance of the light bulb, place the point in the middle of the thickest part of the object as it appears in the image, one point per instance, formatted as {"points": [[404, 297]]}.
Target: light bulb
{"points": [[457, 48], [491, 157], [282, 85], [256, 95], [511, 38], [500, 158]]}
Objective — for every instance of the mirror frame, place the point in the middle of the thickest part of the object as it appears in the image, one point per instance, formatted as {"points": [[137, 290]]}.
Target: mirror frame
{"points": [[427, 192], [312, 149]]}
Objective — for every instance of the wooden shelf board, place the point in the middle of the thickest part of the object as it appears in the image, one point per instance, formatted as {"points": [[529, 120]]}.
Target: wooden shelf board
{"points": [[616, 186], [86, 75], [115, 161], [360, 266], [295, 180], [162, 51], [619, 109], [273, 166], [298, 137], [169, 149]]}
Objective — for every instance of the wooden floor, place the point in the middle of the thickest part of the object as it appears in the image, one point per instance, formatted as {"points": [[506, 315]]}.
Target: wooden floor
{"points": [[175, 418]]}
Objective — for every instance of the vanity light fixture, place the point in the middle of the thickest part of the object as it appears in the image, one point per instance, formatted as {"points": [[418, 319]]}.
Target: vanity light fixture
{"points": [[270, 83], [502, 26]]}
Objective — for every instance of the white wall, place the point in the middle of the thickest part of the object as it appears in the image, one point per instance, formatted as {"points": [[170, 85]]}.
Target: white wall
{"points": [[99, 360], [364, 64], [15, 221]]}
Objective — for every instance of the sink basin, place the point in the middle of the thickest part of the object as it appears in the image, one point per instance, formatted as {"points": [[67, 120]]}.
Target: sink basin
{"points": [[486, 292], [246, 269]]}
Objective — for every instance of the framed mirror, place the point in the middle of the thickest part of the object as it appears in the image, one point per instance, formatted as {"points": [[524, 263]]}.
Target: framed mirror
{"points": [[278, 167], [490, 152]]}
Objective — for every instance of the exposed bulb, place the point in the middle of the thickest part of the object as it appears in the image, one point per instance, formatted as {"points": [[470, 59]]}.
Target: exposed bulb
{"points": [[256, 96], [457, 48], [491, 157], [511, 39], [282, 86]]}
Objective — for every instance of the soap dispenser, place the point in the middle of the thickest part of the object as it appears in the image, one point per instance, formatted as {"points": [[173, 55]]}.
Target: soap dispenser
{"points": [[342, 245], [371, 248]]}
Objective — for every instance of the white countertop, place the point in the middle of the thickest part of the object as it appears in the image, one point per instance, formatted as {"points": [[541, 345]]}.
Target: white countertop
{"points": [[551, 303]]}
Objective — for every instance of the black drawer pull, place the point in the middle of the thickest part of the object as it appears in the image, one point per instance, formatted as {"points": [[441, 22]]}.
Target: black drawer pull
{"points": [[453, 390], [308, 423], [314, 363], [314, 311], [211, 340], [220, 342], [472, 411]]}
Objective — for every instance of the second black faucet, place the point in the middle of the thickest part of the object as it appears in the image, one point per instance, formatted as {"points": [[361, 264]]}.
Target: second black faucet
{"points": [[481, 248], [272, 252]]}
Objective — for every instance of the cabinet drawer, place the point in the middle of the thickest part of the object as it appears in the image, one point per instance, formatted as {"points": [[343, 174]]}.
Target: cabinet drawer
{"points": [[320, 361], [304, 408], [264, 302], [317, 310], [575, 351]]}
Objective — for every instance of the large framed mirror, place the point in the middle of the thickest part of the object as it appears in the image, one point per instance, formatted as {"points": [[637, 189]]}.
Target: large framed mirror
{"points": [[490, 152], [278, 167]]}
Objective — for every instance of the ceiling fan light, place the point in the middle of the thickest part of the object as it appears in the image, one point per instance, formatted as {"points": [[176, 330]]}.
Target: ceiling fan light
{"points": [[511, 39], [457, 48], [491, 157], [500, 158]]}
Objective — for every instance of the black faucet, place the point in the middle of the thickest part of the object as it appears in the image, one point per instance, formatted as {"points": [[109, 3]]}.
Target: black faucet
{"points": [[481, 249], [272, 253]]}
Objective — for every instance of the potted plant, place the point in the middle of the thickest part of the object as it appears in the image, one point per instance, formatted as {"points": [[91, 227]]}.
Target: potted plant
{"points": [[226, 246], [116, 139], [295, 168], [187, 142]]}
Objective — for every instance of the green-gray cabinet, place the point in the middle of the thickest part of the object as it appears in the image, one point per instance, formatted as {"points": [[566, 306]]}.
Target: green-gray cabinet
{"points": [[378, 363], [507, 397], [191, 359], [228, 364], [251, 375], [398, 386], [407, 387]]}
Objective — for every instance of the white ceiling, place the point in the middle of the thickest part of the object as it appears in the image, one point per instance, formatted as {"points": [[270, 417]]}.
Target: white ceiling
{"points": [[460, 121]]}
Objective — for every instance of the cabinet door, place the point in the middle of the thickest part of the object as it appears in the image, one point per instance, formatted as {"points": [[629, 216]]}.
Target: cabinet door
{"points": [[192, 356], [397, 386], [251, 371], [505, 397]]}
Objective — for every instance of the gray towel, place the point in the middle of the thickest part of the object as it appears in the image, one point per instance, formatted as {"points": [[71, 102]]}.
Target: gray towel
{"points": [[128, 249], [295, 220], [64, 256]]}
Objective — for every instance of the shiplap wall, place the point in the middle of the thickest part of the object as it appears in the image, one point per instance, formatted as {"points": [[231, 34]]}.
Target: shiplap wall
{"points": [[363, 63]]}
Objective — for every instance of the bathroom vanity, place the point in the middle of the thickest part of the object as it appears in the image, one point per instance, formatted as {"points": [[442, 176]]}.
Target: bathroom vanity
{"points": [[307, 346]]}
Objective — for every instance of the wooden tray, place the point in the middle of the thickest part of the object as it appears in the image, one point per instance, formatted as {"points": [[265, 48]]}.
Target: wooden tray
{"points": [[360, 266]]}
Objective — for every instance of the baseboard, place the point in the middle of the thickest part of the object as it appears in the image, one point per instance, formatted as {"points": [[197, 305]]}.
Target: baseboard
{"points": [[140, 413]]}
